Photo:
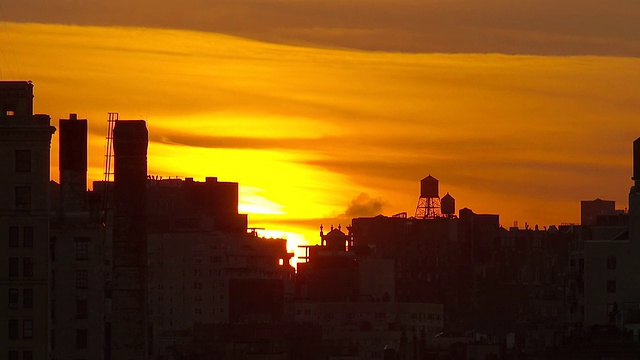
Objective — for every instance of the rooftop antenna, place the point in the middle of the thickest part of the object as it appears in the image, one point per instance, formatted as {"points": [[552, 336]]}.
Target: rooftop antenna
{"points": [[108, 164]]}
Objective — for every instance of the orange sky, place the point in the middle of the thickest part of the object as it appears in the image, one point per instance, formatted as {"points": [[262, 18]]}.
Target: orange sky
{"points": [[317, 134]]}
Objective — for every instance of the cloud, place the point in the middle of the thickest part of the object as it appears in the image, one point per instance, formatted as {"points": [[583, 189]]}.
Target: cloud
{"points": [[364, 205], [542, 27]]}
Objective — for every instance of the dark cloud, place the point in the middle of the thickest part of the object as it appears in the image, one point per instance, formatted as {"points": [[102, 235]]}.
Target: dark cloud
{"points": [[364, 205], [546, 27]]}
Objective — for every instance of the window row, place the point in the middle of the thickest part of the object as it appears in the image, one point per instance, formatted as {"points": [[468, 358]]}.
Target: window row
{"points": [[14, 267], [82, 338], [14, 329], [14, 298], [15, 355], [14, 236], [82, 248]]}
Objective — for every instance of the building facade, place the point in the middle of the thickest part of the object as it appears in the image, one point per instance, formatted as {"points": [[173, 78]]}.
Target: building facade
{"points": [[25, 141]]}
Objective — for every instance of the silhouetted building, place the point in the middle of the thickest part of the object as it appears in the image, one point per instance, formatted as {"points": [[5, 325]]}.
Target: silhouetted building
{"points": [[77, 255], [604, 263], [362, 330], [210, 277], [491, 280], [25, 141], [590, 210], [129, 284], [330, 272], [186, 205]]}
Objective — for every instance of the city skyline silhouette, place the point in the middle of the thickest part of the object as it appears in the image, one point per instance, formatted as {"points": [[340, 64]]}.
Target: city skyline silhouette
{"points": [[342, 180]]}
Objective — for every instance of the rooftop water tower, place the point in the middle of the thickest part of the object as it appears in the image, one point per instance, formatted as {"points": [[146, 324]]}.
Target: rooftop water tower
{"points": [[429, 201], [448, 206]]}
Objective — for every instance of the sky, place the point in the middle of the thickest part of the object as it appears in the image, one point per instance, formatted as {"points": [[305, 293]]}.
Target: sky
{"points": [[328, 110]]}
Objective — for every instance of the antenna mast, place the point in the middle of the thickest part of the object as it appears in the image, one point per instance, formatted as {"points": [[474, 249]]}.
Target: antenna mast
{"points": [[108, 164]]}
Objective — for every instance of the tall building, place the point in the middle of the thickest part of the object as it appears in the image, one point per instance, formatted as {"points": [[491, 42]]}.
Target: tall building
{"points": [[128, 325], [203, 266], [25, 141], [604, 262], [77, 249]]}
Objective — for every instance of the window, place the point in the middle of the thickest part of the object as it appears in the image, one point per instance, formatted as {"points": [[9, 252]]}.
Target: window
{"points": [[14, 234], [53, 311], [81, 339], [13, 355], [27, 237], [14, 298], [81, 279], [27, 269], [14, 267], [27, 329], [23, 197], [611, 286], [611, 262], [82, 246], [13, 329], [52, 248], [81, 309], [27, 298], [23, 161], [27, 355]]}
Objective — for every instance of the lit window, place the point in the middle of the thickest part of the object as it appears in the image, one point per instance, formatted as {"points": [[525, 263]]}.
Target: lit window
{"points": [[10, 113]]}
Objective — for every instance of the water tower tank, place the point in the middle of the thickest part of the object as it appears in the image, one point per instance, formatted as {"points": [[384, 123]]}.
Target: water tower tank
{"points": [[429, 187], [448, 205]]}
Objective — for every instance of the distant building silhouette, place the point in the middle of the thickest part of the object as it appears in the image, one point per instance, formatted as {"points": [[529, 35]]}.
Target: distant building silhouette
{"points": [[590, 210]]}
